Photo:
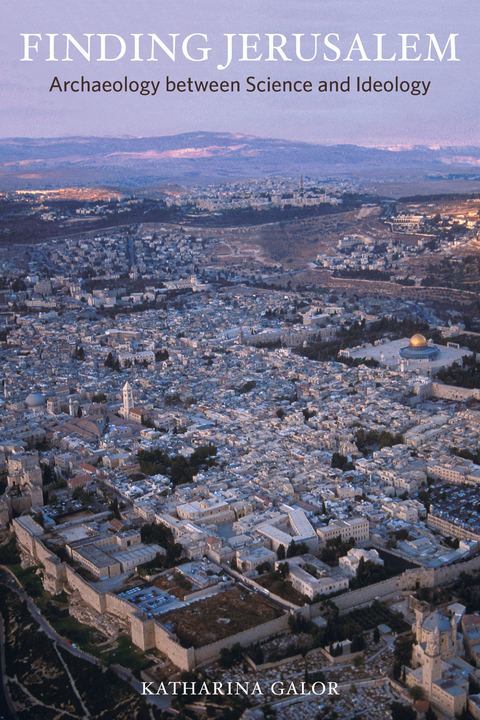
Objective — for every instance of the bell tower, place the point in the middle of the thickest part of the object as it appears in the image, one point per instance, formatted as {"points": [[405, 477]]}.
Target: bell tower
{"points": [[127, 399], [432, 670]]}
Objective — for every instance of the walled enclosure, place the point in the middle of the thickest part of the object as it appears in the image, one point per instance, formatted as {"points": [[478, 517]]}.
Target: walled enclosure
{"points": [[148, 633]]}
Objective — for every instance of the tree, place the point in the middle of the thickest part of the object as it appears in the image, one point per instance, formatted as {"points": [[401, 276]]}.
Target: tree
{"points": [[339, 460], [358, 643], [79, 412], [113, 507], [361, 567], [47, 474], [402, 712], [80, 494], [403, 650], [430, 715], [78, 353], [230, 656], [417, 693], [376, 635], [292, 549], [161, 355], [281, 552]]}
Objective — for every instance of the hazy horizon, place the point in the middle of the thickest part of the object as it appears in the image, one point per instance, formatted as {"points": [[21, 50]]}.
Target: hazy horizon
{"points": [[239, 135], [445, 115]]}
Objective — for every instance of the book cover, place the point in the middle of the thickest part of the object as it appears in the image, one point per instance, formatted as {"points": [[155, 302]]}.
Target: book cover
{"points": [[163, 170]]}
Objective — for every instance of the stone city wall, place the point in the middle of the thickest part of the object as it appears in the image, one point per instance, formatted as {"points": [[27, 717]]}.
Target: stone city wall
{"points": [[55, 576], [166, 642], [118, 606], [449, 573], [147, 633], [88, 593], [26, 539], [142, 631], [449, 392], [43, 554], [408, 580], [260, 632]]}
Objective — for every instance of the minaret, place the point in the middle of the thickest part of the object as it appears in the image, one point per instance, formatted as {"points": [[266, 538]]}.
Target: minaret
{"points": [[127, 399]]}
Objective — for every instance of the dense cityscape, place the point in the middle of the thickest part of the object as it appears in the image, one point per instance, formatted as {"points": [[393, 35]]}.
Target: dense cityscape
{"points": [[240, 451]]}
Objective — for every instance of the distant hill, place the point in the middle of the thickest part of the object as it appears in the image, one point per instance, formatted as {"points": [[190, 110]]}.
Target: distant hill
{"points": [[204, 156]]}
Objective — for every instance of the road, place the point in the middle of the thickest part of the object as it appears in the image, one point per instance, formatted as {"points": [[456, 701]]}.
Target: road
{"points": [[7, 711]]}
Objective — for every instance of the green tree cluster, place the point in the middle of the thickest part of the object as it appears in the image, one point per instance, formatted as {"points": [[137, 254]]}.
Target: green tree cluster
{"points": [[357, 334], [295, 549], [342, 462], [335, 549], [374, 438], [246, 387], [78, 353], [466, 375], [230, 656], [112, 363], [180, 469]]}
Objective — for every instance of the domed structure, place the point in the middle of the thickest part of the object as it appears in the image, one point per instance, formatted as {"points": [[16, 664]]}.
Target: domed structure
{"points": [[418, 340], [419, 350], [35, 401], [50, 393], [437, 621], [436, 631]]}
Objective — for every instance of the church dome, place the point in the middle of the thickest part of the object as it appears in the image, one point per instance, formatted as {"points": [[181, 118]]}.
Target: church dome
{"points": [[34, 400], [436, 621], [417, 341]]}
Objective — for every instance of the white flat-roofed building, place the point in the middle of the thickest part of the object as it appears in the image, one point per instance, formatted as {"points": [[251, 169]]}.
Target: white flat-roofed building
{"points": [[311, 576], [138, 555], [207, 510], [455, 471], [350, 562], [357, 528], [249, 560], [145, 510], [97, 562], [294, 526], [406, 510]]}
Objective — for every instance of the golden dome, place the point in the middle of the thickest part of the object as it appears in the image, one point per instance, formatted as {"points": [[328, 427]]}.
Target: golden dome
{"points": [[418, 341]]}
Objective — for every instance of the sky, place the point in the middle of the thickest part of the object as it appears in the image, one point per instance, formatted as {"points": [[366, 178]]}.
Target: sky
{"points": [[444, 113]]}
